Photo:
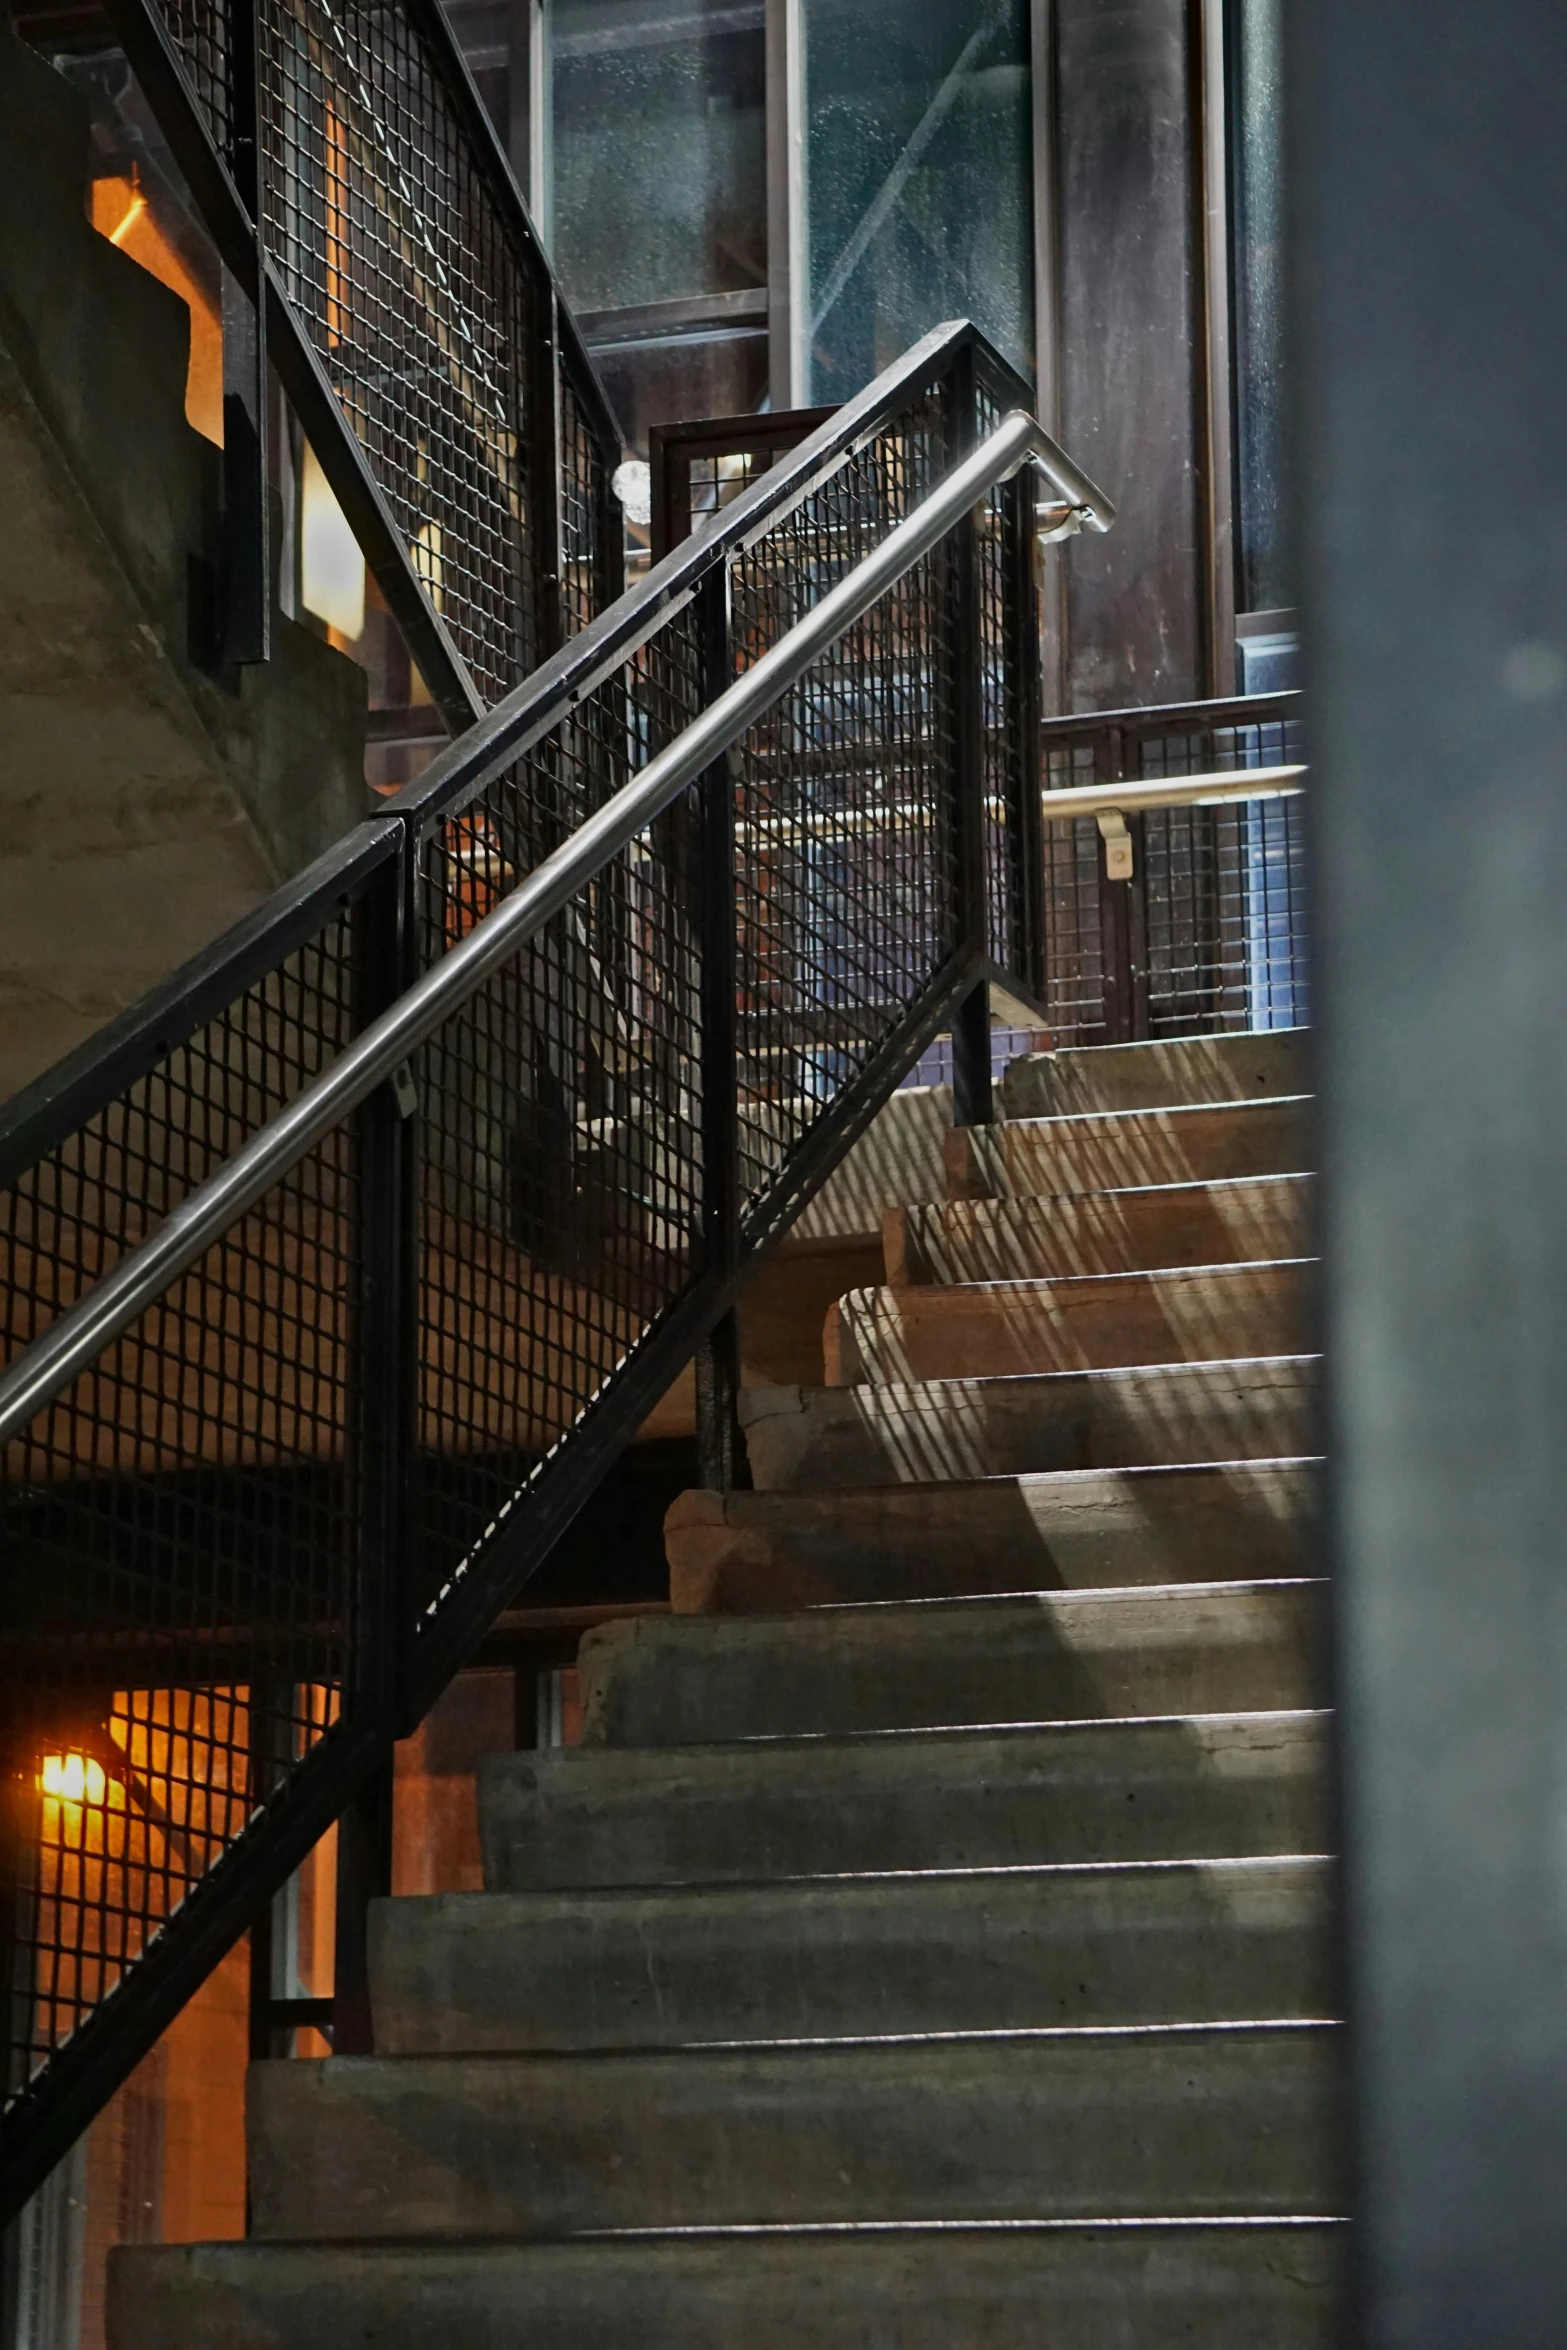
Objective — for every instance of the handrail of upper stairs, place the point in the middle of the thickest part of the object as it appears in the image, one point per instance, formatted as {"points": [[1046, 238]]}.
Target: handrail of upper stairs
{"points": [[108, 1310]]}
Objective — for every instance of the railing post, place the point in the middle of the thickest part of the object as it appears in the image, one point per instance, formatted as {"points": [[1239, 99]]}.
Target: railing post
{"points": [[381, 1441], [247, 554], [1021, 714], [972, 1098], [544, 559], [720, 1445]]}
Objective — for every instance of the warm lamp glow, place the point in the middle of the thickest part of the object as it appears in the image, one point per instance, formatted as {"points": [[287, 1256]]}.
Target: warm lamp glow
{"points": [[74, 1778], [332, 570]]}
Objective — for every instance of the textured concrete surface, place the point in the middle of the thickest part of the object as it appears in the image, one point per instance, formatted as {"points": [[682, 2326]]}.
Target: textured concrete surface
{"points": [[1158, 1076], [1040, 1656], [759, 1553], [1068, 2125], [1261, 1220], [1239, 2287], [1044, 1157], [143, 804], [907, 1432], [1209, 1785], [1141, 1943], [1103, 1321]]}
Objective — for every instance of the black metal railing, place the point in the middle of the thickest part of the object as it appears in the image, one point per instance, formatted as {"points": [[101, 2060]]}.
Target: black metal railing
{"points": [[1208, 933], [312, 1437], [378, 250]]}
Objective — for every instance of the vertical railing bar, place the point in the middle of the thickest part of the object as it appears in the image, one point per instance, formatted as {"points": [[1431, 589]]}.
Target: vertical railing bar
{"points": [[972, 1092], [379, 1439], [246, 633], [720, 1445]]}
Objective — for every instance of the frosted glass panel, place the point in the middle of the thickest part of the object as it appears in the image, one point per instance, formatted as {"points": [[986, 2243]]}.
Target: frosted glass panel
{"points": [[659, 136], [918, 179]]}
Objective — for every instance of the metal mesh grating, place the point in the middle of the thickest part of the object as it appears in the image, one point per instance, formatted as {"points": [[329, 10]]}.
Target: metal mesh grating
{"points": [[844, 810], [428, 313], [1210, 934], [179, 1526], [561, 1111]]}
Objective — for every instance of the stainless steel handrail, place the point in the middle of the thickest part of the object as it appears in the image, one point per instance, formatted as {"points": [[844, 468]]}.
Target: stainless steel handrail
{"points": [[71, 1344], [1171, 791]]}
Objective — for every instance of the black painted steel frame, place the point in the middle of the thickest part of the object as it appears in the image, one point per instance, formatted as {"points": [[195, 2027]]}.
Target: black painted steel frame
{"points": [[495, 1272]]}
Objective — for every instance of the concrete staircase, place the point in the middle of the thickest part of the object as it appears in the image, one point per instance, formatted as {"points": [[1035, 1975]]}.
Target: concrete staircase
{"points": [[927, 1946]]}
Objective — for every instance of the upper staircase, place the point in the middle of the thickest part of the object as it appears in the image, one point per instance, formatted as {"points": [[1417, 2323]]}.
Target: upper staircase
{"points": [[928, 1943]]}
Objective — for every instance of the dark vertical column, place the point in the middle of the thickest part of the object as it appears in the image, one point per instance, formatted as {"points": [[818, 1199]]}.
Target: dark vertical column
{"points": [[1130, 352], [1023, 684], [543, 549], [720, 1445], [382, 1439], [971, 1082], [247, 553], [1429, 179]]}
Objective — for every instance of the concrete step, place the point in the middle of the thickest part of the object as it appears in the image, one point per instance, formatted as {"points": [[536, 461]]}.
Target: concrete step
{"points": [[1175, 2123], [762, 1553], [1154, 1942], [997, 1329], [942, 1664], [1261, 1220], [1226, 2286], [1213, 1786], [1163, 1075], [1111, 1150], [820, 1438]]}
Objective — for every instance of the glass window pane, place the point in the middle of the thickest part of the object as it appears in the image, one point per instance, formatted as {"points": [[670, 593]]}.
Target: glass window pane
{"points": [[918, 180], [659, 149]]}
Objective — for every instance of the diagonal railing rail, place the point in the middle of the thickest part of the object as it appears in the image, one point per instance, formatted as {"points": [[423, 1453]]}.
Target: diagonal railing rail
{"points": [[343, 1269]]}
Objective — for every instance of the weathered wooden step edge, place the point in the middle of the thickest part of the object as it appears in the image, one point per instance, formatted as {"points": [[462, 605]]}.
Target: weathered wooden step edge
{"points": [[1095, 1321], [943, 1663], [852, 1957], [1211, 1786], [1178, 2122], [761, 1553], [1140, 1230], [1166, 1073], [922, 1431], [1226, 2285], [1115, 1150]]}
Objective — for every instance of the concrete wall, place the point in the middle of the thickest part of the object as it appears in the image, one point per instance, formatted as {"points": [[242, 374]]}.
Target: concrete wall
{"points": [[143, 804]]}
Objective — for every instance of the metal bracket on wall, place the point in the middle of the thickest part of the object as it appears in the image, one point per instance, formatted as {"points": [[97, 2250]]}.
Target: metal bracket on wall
{"points": [[1118, 844]]}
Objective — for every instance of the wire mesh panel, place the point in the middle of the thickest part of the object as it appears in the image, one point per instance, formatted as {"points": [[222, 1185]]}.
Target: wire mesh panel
{"points": [[405, 260], [561, 1112], [844, 806], [180, 1525], [1210, 932]]}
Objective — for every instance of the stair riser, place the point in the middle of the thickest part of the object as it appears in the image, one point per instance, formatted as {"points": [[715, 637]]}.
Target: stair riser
{"points": [[1157, 1076], [1247, 2288], [1209, 1789], [1110, 1232], [1042, 1158], [1058, 1659], [1174, 2125], [474, 1974], [1003, 1329], [762, 1552], [819, 1439]]}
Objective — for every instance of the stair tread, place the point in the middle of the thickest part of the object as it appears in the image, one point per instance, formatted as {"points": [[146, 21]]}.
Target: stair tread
{"points": [[953, 2126], [1235, 2285], [760, 1552], [1120, 1228]]}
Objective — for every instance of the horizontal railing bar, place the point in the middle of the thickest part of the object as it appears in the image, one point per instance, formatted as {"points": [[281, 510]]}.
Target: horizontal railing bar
{"points": [[1136, 793], [67, 1349]]}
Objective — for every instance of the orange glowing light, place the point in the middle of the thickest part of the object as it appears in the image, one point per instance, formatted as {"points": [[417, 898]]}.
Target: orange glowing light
{"points": [[74, 1778]]}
